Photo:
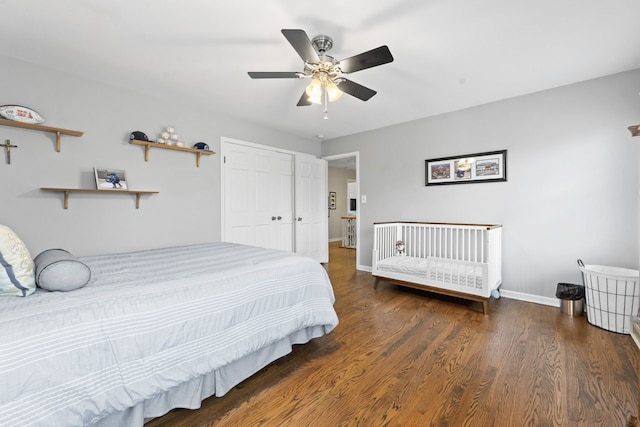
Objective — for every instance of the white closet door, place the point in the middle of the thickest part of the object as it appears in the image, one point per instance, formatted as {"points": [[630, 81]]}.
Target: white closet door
{"points": [[282, 194], [311, 208], [258, 201]]}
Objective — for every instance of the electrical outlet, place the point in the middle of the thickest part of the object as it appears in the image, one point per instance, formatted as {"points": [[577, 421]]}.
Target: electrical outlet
{"points": [[363, 199]]}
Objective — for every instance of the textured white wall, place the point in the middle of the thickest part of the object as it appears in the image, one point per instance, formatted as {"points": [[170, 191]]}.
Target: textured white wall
{"points": [[338, 178], [187, 209], [572, 189]]}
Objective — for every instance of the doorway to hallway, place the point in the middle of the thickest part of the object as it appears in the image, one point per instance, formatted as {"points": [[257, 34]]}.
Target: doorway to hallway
{"points": [[344, 186]]}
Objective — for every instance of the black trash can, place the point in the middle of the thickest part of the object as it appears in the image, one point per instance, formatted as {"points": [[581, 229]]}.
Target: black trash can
{"points": [[571, 298]]}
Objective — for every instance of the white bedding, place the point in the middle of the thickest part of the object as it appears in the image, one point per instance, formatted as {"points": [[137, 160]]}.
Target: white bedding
{"points": [[151, 321], [436, 269]]}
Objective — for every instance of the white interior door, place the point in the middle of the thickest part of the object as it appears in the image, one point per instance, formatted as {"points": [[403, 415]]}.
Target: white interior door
{"points": [[282, 195], [311, 234], [258, 190]]}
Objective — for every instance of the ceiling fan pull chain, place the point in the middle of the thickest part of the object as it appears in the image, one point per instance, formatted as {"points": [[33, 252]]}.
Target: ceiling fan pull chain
{"points": [[326, 102]]}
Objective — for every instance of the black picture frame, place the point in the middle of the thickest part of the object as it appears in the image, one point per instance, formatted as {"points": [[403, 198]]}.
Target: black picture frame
{"points": [[490, 166]]}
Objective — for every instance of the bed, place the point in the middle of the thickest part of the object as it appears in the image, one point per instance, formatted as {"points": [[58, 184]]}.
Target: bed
{"points": [[155, 330]]}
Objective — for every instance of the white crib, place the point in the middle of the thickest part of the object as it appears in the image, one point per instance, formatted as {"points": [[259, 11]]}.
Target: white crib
{"points": [[461, 260]]}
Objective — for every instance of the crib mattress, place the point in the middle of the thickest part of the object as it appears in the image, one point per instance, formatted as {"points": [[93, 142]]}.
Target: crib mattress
{"points": [[435, 269]]}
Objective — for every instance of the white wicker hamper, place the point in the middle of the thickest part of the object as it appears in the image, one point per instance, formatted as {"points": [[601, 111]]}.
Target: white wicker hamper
{"points": [[612, 296]]}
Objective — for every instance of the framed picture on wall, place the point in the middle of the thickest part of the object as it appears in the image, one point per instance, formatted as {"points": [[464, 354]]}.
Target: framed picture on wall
{"points": [[469, 168], [332, 200], [110, 179]]}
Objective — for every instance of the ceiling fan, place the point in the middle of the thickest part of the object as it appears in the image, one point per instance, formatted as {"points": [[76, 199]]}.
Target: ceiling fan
{"points": [[327, 74]]}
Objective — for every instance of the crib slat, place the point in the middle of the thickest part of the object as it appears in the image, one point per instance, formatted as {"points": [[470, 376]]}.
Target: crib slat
{"points": [[475, 246]]}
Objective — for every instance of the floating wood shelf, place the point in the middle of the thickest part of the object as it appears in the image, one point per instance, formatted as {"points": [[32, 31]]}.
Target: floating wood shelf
{"points": [[66, 192], [148, 144], [57, 131]]}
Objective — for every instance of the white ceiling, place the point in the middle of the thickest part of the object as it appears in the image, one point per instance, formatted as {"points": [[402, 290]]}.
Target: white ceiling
{"points": [[345, 163], [448, 55]]}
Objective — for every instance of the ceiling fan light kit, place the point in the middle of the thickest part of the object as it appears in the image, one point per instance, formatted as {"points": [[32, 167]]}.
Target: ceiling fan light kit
{"points": [[327, 75]]}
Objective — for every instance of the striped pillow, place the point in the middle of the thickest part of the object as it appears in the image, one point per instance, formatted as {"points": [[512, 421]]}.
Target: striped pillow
{"points": [[17, 270]]}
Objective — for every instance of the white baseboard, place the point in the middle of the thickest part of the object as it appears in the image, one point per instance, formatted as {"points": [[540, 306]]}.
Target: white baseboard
{"points": [[364, 268], [521, 296], [337, 239]]}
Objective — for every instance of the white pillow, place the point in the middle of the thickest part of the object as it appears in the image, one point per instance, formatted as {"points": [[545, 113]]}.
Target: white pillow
{"points": [[16, 265], [58, 270]]}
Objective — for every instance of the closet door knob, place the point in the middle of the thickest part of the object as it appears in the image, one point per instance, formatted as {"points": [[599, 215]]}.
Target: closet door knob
{"points": [[279, 217], [273, 218], [299, 218]]}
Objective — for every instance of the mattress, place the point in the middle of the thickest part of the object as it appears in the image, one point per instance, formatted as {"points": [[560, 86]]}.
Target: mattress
{"points": [[149, 322], [436, 269]]}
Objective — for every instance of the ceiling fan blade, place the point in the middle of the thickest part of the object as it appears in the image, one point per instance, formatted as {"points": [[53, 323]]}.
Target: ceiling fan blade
{"points": [[274, 74], [304, 100], [372, 58], [301, 43], [355, 89]]}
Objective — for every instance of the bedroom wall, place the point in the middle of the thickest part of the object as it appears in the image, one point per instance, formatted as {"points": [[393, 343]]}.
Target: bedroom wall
{"points": [[338, 178], [187, 209], [572, 189]]}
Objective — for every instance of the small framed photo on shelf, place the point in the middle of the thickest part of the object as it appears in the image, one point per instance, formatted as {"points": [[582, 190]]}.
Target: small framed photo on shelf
{"points": [[469, 168], [110, 179]]}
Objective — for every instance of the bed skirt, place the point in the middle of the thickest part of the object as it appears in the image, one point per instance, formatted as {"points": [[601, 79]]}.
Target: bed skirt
{"points": [[189, 395]]}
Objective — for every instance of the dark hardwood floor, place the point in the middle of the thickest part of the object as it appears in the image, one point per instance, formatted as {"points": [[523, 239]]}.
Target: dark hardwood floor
{"points": [[401, 357]]}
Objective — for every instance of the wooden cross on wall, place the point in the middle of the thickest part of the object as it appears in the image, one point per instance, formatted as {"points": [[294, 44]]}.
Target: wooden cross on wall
{"points": [[7, 146]]}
